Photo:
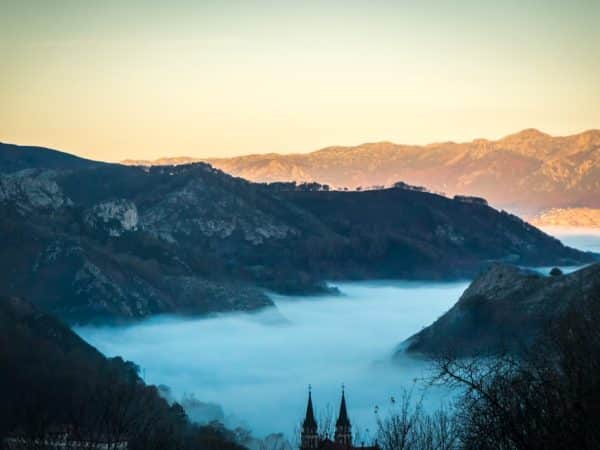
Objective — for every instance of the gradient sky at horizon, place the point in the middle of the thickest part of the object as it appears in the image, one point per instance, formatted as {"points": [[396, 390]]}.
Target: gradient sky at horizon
{"points": [[143, 79]]}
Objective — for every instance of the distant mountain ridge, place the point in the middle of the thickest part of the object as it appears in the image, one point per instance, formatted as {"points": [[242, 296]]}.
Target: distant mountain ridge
{"points": [[525, 173], [113, 242]]}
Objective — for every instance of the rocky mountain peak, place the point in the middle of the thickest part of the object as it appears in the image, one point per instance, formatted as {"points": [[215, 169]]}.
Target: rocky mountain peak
{"points": [[527, 134], [500, 281]]}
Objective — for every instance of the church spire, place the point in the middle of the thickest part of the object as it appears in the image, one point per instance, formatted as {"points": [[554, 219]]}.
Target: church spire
{"points": [[309, 420], [343, 416], [309, 437], [343, 429]]}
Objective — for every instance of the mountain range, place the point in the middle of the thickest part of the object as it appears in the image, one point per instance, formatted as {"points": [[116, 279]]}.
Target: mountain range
{"points": [[95, 241], [525, 173]]}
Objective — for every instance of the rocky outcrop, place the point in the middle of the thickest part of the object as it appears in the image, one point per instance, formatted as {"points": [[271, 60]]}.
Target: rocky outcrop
{"points": [[198, 208], [79, 281], [31, 189], [116, 216], [504, 308]]}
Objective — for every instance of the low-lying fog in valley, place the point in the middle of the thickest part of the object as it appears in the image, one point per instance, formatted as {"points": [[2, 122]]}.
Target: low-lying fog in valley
{"points": [[586, 239], [258, 366], [255, 368]]}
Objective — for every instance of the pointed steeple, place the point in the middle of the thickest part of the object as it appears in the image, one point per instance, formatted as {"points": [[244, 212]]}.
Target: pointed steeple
{"points": [[343, 429], [309, 439], [309, 420], [343, 420]]}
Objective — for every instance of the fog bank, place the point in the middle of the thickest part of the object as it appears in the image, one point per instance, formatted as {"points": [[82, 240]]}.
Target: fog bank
{"points": [[585, 239], [258, 366], [253, 369]]}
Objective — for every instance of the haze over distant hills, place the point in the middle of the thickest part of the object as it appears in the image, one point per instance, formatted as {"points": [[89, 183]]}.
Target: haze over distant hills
{"points": [[526, 173]]}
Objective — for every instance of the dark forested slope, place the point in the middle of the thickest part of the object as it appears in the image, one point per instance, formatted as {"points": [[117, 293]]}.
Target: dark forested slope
{"points": [[504, 309], [111, 241], [51, 378], [17, 157]]}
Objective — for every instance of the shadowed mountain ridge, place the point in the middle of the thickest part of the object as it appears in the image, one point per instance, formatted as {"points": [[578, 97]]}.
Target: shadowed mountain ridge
{"points": [[114, 242]]}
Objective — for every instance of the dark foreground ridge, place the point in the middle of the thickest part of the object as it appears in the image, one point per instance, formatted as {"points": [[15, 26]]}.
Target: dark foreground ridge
{"points": [[51, 379], [93, 241], [504, 309]]}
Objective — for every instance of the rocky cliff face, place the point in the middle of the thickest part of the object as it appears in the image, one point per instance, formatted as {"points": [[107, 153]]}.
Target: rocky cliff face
{"points": [[504, 308], [118, 242], [32, 189], [99, 260], [118, 216]]}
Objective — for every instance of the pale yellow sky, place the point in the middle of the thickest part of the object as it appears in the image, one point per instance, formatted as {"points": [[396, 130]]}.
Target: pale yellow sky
{"points": [[137, 79]]}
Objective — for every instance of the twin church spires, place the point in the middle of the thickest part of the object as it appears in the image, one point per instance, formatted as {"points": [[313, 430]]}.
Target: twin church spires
{"points": [[343, 430]]}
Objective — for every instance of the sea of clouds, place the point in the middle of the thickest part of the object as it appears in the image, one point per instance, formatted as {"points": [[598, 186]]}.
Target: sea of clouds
{"points": [[253, 370]]}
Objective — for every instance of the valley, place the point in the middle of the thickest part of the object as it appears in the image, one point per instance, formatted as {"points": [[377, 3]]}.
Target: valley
{"points": [[259, 225], [252, 370]]}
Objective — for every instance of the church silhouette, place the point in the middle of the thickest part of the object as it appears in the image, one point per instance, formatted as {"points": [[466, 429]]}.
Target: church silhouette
{"points": [[342, 439]]}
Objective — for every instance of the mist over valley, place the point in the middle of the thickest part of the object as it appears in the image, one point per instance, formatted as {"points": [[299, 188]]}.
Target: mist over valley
{"points": [[258, 225], [258, 366], [255, 368]]}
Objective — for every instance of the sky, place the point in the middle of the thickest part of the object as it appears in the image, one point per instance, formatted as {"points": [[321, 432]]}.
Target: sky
{"points": [[144, 79]]}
